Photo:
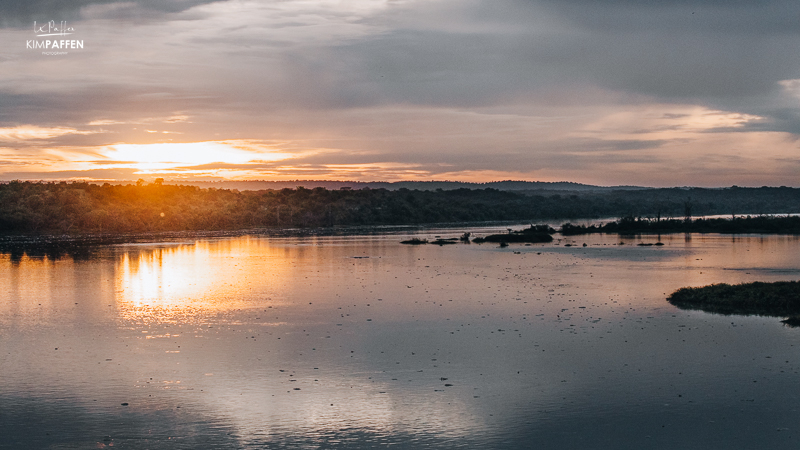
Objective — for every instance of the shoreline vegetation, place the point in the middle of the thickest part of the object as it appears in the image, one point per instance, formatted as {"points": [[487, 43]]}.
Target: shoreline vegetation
{"points": [[38, 218], [733, 225], [629, 226], [58, 208], [777, 299], [533, 235]]}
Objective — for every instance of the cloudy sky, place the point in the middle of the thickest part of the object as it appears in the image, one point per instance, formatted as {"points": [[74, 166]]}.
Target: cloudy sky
{"points": [[609, 92]]}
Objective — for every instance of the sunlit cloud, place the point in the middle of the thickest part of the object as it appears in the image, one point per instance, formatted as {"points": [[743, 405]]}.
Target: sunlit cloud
{"points": [[30, 132], [99, 123], [665, 122], [388, 171], [177, 119]]}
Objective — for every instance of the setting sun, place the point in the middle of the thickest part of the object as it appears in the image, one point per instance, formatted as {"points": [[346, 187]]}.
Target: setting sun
{"points": [[170, 156]]}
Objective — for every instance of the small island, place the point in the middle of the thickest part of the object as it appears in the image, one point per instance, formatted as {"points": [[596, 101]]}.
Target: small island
{"points": [[777, 299], [534, 234]]}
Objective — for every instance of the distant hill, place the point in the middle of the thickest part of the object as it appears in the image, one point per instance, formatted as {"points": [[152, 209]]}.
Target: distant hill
{"points": [[508, 185]]}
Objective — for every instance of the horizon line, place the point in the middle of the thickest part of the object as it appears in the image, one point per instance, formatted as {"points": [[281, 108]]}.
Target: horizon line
{"points": [[183, 182]]}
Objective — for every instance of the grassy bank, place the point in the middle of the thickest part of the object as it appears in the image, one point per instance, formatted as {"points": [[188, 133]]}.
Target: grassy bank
{"points": [[778, 299]]}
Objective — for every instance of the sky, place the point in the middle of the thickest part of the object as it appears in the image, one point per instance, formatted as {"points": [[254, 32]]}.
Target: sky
{"points": [[605, 92]]}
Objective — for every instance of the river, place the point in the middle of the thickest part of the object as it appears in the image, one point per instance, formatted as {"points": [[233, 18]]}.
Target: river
{"points": [[362, 342]]}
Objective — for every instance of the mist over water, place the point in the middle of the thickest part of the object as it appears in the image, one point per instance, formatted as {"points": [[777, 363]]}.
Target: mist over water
{"points": [[361, 342]]}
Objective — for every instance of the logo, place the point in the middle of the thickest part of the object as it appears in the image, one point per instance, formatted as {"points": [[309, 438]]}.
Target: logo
{"points": [[53, 47]]}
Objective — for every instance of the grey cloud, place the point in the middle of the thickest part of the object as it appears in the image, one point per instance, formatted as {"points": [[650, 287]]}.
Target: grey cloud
{"points": [[627, 46], [768, 17], [480, 63], [781, 119], [487, 54], [720, 59], [622, 145], [15, 13], [76, 106]]}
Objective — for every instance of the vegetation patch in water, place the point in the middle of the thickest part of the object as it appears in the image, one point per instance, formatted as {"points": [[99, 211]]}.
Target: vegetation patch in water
{"points": [[779, 299], [534, 234]]}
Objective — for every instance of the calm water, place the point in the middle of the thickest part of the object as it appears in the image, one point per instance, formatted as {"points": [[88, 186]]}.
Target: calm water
{"points": [[361, 342]]}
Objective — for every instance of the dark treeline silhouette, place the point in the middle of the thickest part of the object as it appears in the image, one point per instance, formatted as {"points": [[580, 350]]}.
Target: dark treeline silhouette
{"points": [[61, 207], [665, 203], [631, 225]]}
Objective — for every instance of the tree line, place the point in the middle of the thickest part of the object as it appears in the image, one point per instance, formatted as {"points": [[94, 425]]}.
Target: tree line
{"points": [[731, 225], [79, 207]]}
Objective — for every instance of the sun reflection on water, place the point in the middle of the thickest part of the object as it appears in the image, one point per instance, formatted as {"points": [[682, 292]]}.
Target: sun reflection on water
{"points": [[201, 279]]}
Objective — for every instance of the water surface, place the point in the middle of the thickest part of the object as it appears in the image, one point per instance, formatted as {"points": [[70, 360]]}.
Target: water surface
{"points": [[361, 342]]}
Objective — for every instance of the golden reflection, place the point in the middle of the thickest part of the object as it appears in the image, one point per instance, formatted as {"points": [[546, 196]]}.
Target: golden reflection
{"points": [[183, 281], [39, 290]]}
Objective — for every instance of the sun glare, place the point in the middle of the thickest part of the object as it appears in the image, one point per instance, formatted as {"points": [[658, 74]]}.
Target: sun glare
{"points": [[165, 156]]}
